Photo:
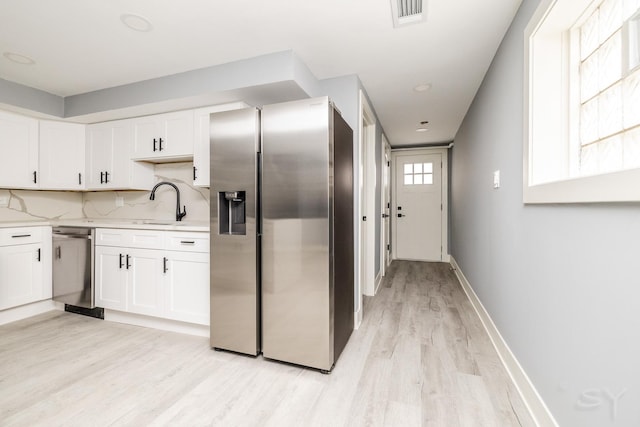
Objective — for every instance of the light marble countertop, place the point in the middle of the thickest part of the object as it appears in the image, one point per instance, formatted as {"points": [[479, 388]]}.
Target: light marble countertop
{"points": [[140, 224]]}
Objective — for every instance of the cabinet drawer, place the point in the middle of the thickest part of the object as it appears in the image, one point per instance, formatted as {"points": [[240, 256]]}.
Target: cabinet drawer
{"points": [[20, 235], [148, 239], [187, 241]]}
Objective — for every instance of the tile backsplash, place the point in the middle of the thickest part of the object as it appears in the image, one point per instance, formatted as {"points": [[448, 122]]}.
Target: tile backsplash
{"points": [[27, 205], [44, 205], [102, 204]]}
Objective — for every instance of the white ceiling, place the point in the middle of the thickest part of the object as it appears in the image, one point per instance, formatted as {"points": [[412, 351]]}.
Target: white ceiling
{"points": [[81, 46]]}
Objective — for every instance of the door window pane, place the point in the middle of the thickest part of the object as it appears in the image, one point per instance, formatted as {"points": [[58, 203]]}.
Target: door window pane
{"points": [[408, 179]]}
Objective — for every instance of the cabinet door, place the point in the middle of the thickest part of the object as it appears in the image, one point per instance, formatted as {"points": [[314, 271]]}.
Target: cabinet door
{"points": [[111, 277], [187, 287], [100, 152], [62, 155], [201, 147], [123, 135], [145, 282], [19, 148], [146, 135], [21, 275], [164, 137], [177, 134]]}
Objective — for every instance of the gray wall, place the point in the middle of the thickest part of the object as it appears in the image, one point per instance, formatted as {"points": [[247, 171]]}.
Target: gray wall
{"points": [[30, 99], [560, 281]]}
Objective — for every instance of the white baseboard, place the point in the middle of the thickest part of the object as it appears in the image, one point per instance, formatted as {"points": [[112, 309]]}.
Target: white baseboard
{"points": [[537, 408], [156, 323], [357, 319], [18, 313], [377, 283]]}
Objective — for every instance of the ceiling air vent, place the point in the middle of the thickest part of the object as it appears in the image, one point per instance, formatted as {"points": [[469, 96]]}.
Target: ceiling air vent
{"points": [[407, 12]]}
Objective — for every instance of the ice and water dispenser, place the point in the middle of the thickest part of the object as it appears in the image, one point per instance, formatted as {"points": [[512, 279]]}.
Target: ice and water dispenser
{"points": [[233, 219]]}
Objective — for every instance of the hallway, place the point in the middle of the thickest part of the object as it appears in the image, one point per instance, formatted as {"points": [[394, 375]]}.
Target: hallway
{"points": [[420, 357]]}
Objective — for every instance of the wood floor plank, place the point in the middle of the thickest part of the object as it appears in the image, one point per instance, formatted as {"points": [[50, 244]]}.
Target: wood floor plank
{"points": [[420, 358]]}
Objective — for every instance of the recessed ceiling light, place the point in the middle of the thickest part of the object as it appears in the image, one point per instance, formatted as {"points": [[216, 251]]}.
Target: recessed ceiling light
{"points": [[422, 87], [136, 22], [18, 59], [422, 130]]}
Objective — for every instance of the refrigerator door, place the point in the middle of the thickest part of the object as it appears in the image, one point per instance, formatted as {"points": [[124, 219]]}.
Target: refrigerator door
{"points": [[234, 146], [297, 281]]}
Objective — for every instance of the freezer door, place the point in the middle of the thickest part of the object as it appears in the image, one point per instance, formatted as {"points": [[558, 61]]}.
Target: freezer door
{"points": [[234, 146], [297, 286]]}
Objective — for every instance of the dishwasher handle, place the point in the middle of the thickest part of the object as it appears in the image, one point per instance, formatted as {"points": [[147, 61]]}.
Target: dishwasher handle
{"points": [[72, 236]]}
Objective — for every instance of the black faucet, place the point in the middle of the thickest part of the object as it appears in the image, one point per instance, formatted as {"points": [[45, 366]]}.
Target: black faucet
{"points": [[179, 215]]}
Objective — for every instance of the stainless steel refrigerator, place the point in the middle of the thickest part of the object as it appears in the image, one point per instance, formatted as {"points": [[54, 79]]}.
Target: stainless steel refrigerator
{"points": [[282, 232]]}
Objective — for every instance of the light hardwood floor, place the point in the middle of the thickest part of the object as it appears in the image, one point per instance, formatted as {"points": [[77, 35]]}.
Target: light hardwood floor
{"points": [[420, 357]]}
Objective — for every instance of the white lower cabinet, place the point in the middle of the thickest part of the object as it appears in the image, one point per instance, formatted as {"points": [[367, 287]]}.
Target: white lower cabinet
{"points": [[146, 282], [110, 278], [187, 286], [25, 265], [154, 281]]}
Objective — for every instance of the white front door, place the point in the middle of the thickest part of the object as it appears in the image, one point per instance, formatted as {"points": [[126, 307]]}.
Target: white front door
{"points": [[418, 207]]}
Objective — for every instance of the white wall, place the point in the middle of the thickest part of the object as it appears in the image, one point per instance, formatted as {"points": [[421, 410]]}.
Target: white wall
{"points": [[560, 281]]}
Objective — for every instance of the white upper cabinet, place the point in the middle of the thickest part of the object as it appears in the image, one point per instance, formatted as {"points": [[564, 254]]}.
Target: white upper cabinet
{"points": [[19, 151], [62, 156], [201, 140], [109, 165], [164, 137]]}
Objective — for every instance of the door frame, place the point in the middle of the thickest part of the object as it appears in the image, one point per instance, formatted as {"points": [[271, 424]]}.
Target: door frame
{"points": [[444, 213], [385, 187], [366, 179]]}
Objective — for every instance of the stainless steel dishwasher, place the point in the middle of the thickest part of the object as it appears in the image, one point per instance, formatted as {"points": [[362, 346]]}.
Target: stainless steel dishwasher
{"points": [[73, 271]]}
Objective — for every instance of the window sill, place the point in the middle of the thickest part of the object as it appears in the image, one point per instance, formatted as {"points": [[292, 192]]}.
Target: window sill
{"points": [[622, 186]]}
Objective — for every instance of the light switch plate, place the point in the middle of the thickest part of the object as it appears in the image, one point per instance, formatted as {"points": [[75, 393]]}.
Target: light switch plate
{"points": [[496, 179], [119, 201], [4, 202]]}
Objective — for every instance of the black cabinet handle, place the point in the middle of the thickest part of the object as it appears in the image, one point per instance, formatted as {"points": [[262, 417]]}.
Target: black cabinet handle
{"points": [[364, 218], [59, 252], [35, 177], [101, 177], [187, 242], [400, 215], [164, 265], [79, 178], [106, 177], [128, 265], [154, 145], [121, 257], [194, 173], [38, 257], [15, 236], [160, 144]]}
